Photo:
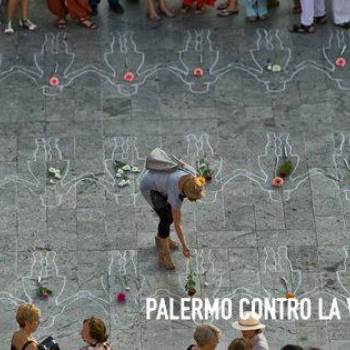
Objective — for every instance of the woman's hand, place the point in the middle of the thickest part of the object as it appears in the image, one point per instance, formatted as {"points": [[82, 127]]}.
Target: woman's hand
{"points": [[186, 251]]}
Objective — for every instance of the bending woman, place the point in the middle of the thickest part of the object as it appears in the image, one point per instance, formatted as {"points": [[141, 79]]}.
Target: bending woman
{"points": [[165, 192]]}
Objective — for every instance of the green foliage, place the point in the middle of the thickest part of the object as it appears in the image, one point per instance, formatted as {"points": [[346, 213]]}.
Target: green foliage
{"points": [[203, 168], [285, 169]]}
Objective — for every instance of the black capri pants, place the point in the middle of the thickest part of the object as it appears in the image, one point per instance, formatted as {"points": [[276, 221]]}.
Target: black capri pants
{"points": [[163, 209]]}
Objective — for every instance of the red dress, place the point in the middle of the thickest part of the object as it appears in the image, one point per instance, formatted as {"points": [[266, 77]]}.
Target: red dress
{"points": [[199, 3]]}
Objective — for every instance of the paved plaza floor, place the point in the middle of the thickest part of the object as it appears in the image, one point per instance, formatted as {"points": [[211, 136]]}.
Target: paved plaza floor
{"points": [[86, 238]]}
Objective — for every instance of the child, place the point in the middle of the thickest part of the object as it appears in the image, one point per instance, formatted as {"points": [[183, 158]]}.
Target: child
{"points": [[256, 9]]}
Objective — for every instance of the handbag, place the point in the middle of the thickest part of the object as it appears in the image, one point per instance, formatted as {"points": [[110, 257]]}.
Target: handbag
{"points": [[160, 160]]}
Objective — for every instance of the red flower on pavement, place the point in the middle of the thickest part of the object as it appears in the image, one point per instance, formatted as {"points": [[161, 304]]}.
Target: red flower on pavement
{"points": [[340, 62], [277, 181], [54, 81], [198, 72], [129, 76], [121, 298]]}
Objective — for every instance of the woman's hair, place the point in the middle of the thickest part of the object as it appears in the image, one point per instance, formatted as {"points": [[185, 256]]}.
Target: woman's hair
{"points": [[194, 188], [292, 347], [204, 333], [240, 344], [27, 312], [97, 329]]}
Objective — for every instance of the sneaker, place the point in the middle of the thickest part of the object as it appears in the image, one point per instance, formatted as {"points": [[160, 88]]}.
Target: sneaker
{"points": [[117, 8], [27, 24], [8, 28], [94, 11]]}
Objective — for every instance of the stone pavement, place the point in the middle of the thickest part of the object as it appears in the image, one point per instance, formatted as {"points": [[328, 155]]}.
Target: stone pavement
{"points": [[83, 234]]}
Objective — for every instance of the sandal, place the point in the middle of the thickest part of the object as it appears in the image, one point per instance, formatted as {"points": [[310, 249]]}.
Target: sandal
{"points": [[185, 9], [222, 6], [154, 17], [252, 18], [87, 23], [61, 24], [321, 19], [226, 13], [300, 28], [199, 11], [168, 13]]}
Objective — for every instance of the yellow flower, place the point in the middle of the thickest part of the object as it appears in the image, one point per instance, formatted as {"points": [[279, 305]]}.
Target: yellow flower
{"points": [[200, 181]]}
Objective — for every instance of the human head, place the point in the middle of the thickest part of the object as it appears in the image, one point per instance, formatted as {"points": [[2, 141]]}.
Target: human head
{"points": [[94, 331], [194, 188], [207, 336], [28, 317], [240, 344], [292, 347], [249, 325]]}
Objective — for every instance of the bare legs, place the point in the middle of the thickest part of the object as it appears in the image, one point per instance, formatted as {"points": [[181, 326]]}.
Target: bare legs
{"points": [[152, 12], [24, 21]]}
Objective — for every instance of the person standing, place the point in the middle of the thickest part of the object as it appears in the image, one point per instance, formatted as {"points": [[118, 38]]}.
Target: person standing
{"points": [[228, 8], [79, 10], [207, 337], [341, 13], [252, 330], [114, 6], [94, 334], [165, 191], [24, 20], [313, 11], [28, 319], [256, 9]]}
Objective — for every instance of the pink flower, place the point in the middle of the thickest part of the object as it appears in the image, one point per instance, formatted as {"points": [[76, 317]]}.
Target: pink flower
{"points": [[54, 81], [121, 298], [129, 76], [277, 182], [340, 62], [45, 296], [198, 72]]}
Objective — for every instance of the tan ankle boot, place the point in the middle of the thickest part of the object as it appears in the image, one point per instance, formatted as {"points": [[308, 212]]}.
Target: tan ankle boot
{"points": [[164, 254], [172, 244]]}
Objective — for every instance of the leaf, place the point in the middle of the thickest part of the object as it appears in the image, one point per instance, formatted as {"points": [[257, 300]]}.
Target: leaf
{"points": [[285, 169]]}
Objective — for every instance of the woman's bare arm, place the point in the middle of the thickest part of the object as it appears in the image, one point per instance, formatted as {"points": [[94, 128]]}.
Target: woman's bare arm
{"points": [[176, 213]]}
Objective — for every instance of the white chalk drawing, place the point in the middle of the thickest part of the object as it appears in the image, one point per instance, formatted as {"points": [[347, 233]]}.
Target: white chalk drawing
{"points": [[341, 159], [209, 278], [53, 64], [124, 276], [124, 150], [277, 266], [277, 150], [123, 57], [198, 62], [48, 154], [274, 66], [199, 147], [338, 46], [343, 275]]}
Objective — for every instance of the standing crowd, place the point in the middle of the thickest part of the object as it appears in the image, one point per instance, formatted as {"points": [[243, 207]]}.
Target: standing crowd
{"points": [[311, 11], [95, 336]]}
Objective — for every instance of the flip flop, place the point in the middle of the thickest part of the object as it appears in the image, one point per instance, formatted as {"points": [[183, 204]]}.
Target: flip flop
{"points": [[227, 13]]}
